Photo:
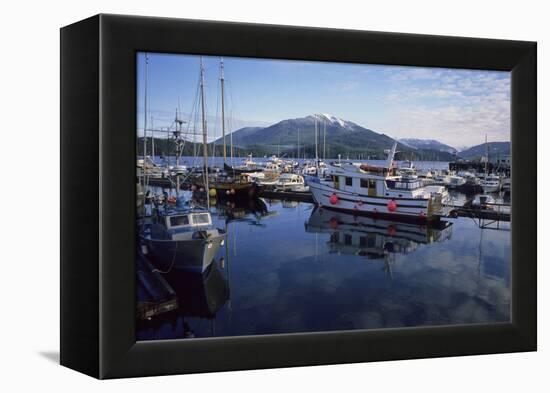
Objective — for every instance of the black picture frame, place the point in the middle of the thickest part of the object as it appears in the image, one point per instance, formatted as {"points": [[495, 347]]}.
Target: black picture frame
{"points": [[98, 123]]}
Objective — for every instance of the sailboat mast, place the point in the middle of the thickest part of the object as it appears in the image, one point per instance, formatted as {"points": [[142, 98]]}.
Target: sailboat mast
{"points": [[204, 137], [316, 145], [486, 155], [222, 82], [145, 120], [152, 139], [298, 155], [324, 140]]}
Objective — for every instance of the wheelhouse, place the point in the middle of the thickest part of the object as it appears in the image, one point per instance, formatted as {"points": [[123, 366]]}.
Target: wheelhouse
{"points": [[186, 221]]}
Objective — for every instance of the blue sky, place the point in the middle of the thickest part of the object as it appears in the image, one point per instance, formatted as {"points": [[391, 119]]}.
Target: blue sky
{"points": [[457, 107]]}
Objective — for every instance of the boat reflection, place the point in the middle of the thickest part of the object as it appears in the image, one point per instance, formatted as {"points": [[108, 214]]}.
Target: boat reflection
{"points": [[373, 238], [201, 296], [252, 210]]}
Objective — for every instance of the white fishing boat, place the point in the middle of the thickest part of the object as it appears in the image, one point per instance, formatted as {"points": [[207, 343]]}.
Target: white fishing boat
{"points": [[491, 183], [178, 169], [455, 181], [182, 239], [442, 178], [291, 182], [368, 189]]}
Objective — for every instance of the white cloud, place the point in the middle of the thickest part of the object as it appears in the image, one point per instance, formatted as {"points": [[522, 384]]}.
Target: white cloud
{"points": [[457, 107]]}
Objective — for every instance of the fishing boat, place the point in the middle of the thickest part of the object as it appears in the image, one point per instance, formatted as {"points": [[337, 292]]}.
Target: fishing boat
{"points": [[491, 183], [248, 166], [377, 190], [407, 170], [455, 182], [233, 187], [291, 182], [181, 238]]}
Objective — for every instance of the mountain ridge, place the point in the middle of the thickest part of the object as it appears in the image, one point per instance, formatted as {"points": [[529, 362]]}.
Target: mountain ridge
{"points": [[339, 136]]}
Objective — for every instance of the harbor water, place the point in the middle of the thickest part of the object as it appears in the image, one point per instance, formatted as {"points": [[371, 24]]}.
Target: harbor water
{"points": [[288, 267]]}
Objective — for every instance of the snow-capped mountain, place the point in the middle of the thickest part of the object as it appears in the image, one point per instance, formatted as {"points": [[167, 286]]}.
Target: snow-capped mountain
{"points": [[336, 136], [430, 144]]}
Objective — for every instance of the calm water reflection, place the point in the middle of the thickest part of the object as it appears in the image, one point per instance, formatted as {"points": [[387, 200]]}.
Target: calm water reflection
{"points": [[287, 267]]}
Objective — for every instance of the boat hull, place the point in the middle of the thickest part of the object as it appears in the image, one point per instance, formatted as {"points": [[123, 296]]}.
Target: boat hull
{"points": [[236, 192], [408, 209], [490, 188], [192, 254]]}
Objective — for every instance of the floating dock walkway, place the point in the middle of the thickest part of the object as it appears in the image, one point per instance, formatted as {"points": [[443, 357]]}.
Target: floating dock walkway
{"points": [[286, 195], [493, 211]]}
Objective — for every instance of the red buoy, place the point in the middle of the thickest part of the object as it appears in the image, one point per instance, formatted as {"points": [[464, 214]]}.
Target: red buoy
{"points": [[392, 206], [333, 199]]}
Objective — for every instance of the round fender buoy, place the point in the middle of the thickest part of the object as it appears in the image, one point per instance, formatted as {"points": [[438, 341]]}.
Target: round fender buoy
{"points": [[422, 215], [392, 206], [333, 199], [333, 222], [227, 192], [193, 188], [232, 191], [212, 192], [201, 189]]}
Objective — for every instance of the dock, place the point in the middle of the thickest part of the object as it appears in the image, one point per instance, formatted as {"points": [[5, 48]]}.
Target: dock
{"points": [[286, 195], [155, 295], [493, 211]]}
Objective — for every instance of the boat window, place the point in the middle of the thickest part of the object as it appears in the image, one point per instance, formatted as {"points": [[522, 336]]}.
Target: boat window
{"points": [[176, 221], [363, 241], [202, 218], [372, 183], [349, 181], [364, 183], [347, 239]]}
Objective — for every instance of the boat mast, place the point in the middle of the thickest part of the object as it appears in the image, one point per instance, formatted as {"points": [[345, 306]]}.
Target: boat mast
{"points": [[152, 140], [145, 120], [222, 82], [179, 147], [298, 155], [204, 138], [324, 140], [486, 155], [316, 146]]}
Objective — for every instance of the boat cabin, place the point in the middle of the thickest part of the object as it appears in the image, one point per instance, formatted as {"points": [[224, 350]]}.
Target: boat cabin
{"points": [[290, 178], [189, 220]]}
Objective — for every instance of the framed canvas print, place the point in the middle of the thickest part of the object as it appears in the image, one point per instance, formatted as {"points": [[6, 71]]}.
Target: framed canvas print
{"points": [[239, 196]]}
